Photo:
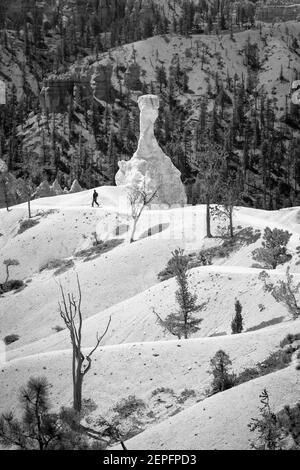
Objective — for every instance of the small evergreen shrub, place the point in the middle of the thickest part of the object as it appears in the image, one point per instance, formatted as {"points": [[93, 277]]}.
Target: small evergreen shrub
{"points": [[274, 248], [12, 284], [9, 339], [222, 378], [128, 406], [237, 322]]}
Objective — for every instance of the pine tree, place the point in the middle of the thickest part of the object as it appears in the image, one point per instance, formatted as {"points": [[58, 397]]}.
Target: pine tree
{"points": [[182, 323], [222, 378], [38, 429], [266, 426], [237, 322], [274, 248]]}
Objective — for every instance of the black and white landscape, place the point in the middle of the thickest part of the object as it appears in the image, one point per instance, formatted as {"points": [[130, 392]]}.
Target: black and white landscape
{"points": [[150, 224]]}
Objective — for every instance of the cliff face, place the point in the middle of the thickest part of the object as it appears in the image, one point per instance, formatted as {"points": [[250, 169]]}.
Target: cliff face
{"points": [[58, 92], [101, 81]]}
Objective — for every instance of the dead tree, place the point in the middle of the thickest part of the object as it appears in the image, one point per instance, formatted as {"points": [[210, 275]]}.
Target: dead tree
{"points": [[139, 198], [70, 312]]}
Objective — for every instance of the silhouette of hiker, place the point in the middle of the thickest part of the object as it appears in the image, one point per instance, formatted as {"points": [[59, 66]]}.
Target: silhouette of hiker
{"points": [[95, 197]]}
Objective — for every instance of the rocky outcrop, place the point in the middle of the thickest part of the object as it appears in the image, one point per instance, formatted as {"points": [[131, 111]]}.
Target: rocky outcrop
{"points": [[150, 168], [101, 81], [43, 190], [59, 92], [75, 188], [56, 188]]}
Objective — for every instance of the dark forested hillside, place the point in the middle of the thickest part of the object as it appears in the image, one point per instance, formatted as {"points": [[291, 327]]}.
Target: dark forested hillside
{"points": [[74, 70]]}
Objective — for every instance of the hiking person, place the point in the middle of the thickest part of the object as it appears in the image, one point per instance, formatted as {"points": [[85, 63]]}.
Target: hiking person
{"points": [[95, 197]]}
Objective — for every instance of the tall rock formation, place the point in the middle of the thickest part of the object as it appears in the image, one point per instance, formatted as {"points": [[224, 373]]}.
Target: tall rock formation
{"points": [[149, 166]]}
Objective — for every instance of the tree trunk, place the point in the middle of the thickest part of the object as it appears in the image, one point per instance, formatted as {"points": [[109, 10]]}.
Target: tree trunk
{"points": [[230, 222], [208, 232], [7, 274], [29, 208], [123, 445], [133, 230], [77, 391]]}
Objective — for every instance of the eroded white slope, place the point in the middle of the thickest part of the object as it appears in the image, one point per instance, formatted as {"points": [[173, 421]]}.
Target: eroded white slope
{"points": [[221, 421], [128, 270], [134, 320], [138, 369]]}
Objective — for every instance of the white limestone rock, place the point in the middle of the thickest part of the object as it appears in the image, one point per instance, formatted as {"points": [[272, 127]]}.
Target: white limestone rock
{"points": [[56, 188], [75, 188], [43, 190], [149, 164]]}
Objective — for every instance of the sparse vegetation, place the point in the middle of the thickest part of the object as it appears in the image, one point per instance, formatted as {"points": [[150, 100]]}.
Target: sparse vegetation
{"points": [[60, 266], [277, 360], [128, 406], [98, 249], [205, 257], [284, 291], [276, 431], [26, 225]]}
